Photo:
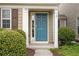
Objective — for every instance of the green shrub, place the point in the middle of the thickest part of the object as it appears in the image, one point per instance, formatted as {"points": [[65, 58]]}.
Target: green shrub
{"points": [[66, 35], [22, 32], [12, 43]]}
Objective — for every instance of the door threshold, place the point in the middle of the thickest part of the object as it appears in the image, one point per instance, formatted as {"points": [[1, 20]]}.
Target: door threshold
{"points": [[41, 45]]}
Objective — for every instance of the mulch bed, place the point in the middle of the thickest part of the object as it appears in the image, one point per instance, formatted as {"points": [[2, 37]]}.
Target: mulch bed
{"points": [[30, 51], [55, 53]]}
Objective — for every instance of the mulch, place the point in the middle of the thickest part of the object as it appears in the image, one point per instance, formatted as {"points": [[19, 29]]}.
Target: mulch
{"points": [[30, 51], [55, 53]]}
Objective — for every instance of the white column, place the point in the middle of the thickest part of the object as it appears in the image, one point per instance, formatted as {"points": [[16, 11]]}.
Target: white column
{"points": [[25, 24], [55, 28]]}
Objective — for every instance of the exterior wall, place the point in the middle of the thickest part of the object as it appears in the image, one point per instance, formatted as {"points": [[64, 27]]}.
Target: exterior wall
{"points": [[23, 19], [71, 11], [20, 18]]}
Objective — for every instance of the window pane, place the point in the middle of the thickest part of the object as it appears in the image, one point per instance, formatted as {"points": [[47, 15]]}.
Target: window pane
{"points": [[58, 24], [78, 29], [6, 23], [32, 28], [78, 21], [62, 23], [5, 13]]}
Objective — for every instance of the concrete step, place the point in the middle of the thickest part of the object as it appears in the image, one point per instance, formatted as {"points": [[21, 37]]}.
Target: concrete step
{"points": [[42, 52], [41, 45]]}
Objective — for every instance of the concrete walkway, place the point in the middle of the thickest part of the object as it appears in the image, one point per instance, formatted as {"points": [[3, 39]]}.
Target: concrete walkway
{"points": [[42, 52]]}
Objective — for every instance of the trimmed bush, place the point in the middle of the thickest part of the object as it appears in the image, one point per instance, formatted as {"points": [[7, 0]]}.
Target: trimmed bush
{"points": [[22, 32], [12, 43], [66, 35]]}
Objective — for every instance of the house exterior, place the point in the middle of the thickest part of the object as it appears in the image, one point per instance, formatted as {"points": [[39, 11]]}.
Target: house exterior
{"points": [[71, 11], [38, 21]]}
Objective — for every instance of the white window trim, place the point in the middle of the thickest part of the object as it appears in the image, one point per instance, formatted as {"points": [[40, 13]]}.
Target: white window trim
{"points": [[77, 26], [7, 18]]}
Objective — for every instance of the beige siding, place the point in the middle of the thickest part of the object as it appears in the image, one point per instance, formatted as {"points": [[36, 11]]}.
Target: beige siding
{"points": [[20, 18]]}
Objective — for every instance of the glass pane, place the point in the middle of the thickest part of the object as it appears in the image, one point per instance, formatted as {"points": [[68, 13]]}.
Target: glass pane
{"points": [[58, 24], [5, 13], [78, 29], [6, 23], [32, 28], [78, 21], [62, 23]]}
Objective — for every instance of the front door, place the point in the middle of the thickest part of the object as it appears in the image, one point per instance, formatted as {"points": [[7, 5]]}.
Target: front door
{"points": [[41, 26]]}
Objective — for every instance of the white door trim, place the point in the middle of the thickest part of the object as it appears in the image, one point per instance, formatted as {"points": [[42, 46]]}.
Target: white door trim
{"points": [[26, 24], [32, 13], [55, 28]]}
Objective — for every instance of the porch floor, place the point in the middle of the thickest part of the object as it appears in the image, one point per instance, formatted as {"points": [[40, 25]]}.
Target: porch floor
{"points": [[40, 45]]}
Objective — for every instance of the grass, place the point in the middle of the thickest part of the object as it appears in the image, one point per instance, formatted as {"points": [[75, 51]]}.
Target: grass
{"points": [[67, 50]]}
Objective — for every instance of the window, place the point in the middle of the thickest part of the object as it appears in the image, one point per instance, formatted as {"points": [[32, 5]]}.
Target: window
{"points": [[58, 24], [78, 25], [62, 23], [5, 18]]}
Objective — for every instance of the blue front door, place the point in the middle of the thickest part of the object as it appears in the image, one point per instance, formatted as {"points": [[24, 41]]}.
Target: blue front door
{"points": [[41, 26]]}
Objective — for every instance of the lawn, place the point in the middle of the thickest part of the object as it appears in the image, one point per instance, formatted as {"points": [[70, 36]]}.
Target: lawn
{"points": [[67, 50]]}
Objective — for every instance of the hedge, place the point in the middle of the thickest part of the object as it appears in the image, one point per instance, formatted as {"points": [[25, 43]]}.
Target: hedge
{"points": [[66, 35], [12, 43], [22, 32]]}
